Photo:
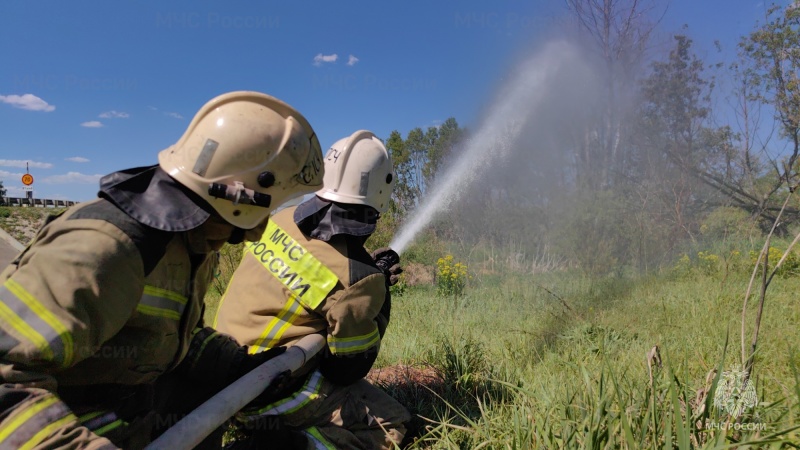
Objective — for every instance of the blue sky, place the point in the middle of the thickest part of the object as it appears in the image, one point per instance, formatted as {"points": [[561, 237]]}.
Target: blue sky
{"points": [[91, 87]]}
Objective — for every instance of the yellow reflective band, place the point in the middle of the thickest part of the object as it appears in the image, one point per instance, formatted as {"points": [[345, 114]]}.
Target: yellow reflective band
{"points": [[293, 403], [356, 344], [161, 303], [163, 293], [25, 415], [115, 424], [205, 342], [46, 431], [292, 265], [157, 312], [277, 326], [319, 441], [90, 416], [26, 330], [46, 316]]}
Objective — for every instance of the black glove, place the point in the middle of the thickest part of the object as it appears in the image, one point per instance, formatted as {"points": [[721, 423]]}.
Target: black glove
{"points": [[389, 262], [266, 437], [244, 363]]}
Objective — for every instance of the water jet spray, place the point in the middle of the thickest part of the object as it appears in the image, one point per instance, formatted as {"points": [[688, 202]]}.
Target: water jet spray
{"points": [[494, 138]]}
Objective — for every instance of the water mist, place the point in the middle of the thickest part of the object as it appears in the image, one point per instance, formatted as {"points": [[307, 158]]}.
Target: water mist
{"points": [[495, 137]]}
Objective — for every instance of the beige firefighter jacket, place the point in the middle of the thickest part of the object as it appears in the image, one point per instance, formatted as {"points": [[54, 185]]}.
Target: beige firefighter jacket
{"points": [[289, 285], [95, 300]]}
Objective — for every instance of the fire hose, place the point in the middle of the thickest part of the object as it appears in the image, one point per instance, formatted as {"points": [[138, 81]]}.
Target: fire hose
{"points": [[192, 429]]}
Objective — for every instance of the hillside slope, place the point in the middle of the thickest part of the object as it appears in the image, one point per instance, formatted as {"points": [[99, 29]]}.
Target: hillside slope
{"points": [[22, 223]]}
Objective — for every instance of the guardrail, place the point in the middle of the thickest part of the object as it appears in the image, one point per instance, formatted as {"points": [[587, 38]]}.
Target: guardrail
{"points": [[43, 202]]}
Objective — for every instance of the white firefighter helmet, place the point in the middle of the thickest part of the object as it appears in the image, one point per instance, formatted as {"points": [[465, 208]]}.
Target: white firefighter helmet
{"points": [[358, 170], [245, 153]]}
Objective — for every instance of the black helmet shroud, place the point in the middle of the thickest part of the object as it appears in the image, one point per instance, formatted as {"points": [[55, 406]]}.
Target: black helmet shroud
{"points": [[153, 198], [323, 219]]}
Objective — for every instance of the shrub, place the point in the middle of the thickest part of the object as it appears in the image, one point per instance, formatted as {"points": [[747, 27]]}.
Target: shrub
{"points": [[709, 262], [385, 230], [401, 287], [683, 267], [425, 249], [451, 277], [728, 222], [791, 266]]}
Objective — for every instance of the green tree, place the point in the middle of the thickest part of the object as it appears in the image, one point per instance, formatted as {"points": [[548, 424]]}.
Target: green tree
{"points": [[743, 165], [441, 141], [417, 147], [674, 144], [618, 33], [405, 194], [774, 50], [2, 189], [418, 158], [770, 74]]}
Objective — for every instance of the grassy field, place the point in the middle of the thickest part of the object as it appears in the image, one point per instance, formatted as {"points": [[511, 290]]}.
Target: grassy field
{"points": [[22, 223], [561, 361], [544, 375]]}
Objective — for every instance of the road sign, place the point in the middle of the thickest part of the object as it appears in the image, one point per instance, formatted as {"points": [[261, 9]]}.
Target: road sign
{"points": [[27, 179]]}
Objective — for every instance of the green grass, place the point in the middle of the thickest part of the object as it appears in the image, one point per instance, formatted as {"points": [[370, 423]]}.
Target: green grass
{"points": [[22, 223], [560, 361], [578, 378]]}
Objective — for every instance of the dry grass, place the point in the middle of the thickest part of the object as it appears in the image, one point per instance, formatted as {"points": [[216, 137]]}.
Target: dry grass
{"points": [[416, 274], [23, 223]]}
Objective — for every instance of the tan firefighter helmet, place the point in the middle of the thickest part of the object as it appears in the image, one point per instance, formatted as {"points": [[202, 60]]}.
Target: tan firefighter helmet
{"points": [[246, 153], [358, 170]]}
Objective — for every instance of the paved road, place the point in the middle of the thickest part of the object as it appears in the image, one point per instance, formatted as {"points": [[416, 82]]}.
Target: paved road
{"points": [[7, 254]]}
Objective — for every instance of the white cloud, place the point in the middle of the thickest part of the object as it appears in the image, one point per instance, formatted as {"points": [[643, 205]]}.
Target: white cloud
{"points": [[320, 58], [153, 108], [92, 124], [71, 178], [352, 60], [174, 115], [27, 101], [22, 163], [114, 115], [14, 191], [5, 175], [77, 159]]}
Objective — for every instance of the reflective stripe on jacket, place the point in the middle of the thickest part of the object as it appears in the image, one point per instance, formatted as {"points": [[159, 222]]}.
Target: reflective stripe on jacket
{"points": [[289, 285], [95, 299]]}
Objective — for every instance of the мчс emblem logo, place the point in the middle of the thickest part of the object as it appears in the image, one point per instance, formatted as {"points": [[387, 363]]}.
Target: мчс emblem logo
{"points": [[735, 394]]}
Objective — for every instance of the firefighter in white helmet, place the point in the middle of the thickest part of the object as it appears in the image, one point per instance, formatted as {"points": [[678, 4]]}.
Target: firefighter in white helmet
{"points": [[102, 343], [310, 273]]}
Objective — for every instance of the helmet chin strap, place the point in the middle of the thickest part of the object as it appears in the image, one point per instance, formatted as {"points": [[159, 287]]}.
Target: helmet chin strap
{"points": [[237, 194]]}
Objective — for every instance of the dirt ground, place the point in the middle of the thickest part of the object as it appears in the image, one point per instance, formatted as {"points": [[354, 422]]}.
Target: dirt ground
{"points": [[404, 376]]}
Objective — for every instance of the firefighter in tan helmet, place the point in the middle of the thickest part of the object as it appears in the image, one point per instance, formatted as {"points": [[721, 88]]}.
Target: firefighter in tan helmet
{"points": [[102, 343], [310, 273]]}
